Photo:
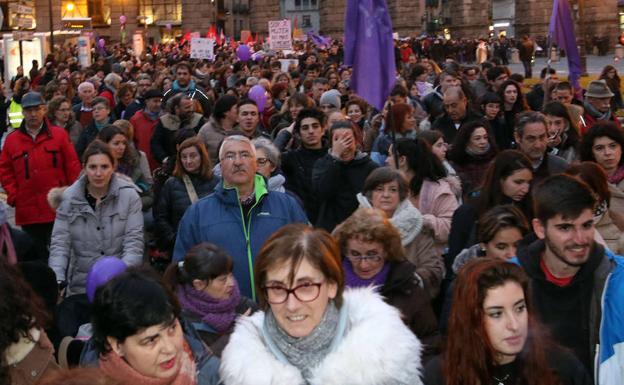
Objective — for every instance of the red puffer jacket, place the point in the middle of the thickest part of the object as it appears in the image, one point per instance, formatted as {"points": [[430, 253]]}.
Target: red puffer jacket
{"points": [[30, 168]]}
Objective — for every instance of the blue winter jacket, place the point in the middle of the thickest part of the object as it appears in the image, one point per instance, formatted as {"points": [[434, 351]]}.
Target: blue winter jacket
{"points": [[218, 219]]}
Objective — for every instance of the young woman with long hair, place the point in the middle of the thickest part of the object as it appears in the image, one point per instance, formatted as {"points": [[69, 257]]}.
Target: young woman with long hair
{"points": [[493, 337]]}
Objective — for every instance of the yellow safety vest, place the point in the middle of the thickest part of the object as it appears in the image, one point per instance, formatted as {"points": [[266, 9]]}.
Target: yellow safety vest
{"points": [[15, 115]]}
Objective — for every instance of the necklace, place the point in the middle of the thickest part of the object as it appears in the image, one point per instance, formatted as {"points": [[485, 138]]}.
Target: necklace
{"points": [[501, 381]]}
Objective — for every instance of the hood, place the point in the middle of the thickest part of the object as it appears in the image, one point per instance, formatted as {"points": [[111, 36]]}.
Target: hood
{"points": [[276, 183], [406, 218], [173, 123], [466, 255], [55, 196], [455, 184]]}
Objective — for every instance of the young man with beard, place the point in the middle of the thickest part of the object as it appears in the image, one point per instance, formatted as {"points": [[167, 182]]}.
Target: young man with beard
{"points": [[578, 286], [297, 164]]}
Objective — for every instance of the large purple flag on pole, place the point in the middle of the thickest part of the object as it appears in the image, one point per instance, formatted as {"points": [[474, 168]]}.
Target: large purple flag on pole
{"points": [[369, 49], [561, 31]]}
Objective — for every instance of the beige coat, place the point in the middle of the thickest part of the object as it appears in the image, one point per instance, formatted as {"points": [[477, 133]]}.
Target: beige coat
{"points": [[30, 359]]}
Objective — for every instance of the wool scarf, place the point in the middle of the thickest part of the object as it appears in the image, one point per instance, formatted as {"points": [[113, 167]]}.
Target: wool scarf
{"points": [[353, 280], [305, 353], [218, 313], [118, 369]]}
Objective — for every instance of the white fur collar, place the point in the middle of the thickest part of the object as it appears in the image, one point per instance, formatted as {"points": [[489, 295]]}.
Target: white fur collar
{"points": [[407, 218], [377, 349], [18, 351]]}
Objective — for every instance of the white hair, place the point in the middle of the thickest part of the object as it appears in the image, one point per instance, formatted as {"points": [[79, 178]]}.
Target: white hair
{"points": [[236, 138], [82, 86], [112, 78]]}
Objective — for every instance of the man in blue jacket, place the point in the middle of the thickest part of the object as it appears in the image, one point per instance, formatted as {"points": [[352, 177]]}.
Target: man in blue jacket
{"points": [[240, 215], [577, 284]]}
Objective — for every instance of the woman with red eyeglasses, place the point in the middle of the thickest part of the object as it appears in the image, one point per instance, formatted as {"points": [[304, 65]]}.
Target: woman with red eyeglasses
{"points": [[312, 331]]}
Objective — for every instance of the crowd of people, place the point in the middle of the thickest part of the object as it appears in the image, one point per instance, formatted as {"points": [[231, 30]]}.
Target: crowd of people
{"points": [[173, 227]]}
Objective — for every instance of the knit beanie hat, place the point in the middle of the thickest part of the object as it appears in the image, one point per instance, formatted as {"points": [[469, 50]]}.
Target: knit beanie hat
{"points": [[331, 97]]}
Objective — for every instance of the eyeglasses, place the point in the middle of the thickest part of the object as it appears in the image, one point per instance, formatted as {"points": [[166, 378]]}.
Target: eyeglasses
{"points": [[263, 161], [365, 258], [306, 292]]}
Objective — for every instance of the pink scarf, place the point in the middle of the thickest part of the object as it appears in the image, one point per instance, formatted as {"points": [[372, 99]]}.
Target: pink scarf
{"points": [[617, 176], [118, 369]]}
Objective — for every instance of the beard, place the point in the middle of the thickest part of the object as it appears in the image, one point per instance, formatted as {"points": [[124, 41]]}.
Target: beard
{"points": [[559, 253]]}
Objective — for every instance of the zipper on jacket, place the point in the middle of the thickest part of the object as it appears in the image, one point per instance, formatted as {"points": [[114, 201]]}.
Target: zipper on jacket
{"points": [[54, 160], [247, 232], [26, 170]]}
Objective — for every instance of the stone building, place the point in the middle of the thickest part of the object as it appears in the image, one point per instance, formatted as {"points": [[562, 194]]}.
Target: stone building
{"points": [[163, 19]]}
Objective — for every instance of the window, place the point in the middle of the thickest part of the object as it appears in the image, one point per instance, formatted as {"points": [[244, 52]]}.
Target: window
{"points": [[161, 10], [297, 3], [99, 11], [306, 21], [313, 3]]}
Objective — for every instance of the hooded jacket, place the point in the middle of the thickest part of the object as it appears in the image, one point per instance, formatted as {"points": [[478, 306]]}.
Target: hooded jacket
{"points": [[82, 235], [604, 271], [193, 91], [375, 348], [218, 218]]}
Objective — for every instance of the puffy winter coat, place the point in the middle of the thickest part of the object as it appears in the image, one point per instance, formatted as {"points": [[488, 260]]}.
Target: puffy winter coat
{"points": [[82, 235], [218, 218], [163, 142], [30, 168], [373, 347], [173, 201]]}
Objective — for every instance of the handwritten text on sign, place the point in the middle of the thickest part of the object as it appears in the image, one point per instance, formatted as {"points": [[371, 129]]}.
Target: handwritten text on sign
{"points": [[280, 34], [202, 48]]}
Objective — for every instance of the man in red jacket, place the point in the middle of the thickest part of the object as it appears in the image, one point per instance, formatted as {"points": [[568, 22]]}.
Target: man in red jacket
{"points": [[35, 158], [144, 123]]}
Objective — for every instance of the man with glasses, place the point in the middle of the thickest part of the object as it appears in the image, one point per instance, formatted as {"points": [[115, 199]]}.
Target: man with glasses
{"points": [[35, 158], [144, 83], [240, 215]]}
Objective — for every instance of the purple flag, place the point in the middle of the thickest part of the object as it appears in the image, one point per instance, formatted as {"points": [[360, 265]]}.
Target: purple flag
{"points": [[320, 41], [369, 48], [561, 31]]}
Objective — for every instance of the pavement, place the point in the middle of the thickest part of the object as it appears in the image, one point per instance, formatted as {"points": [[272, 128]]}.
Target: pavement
{"points": [[595, 64]]}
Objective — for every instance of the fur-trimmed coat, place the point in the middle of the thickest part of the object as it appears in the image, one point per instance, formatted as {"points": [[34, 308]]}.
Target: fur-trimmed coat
{"points": [[377, 348]]}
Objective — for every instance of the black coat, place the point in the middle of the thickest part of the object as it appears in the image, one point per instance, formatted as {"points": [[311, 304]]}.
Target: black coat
{"points": [[445, 124], [403, 291], [173, 201], [163, 141], [297, 166], [336, 184]]}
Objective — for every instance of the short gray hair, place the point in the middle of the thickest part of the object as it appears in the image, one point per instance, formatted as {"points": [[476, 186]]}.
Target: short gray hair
{"points": [[84, 85], [111, 78], [528, 117], [236, 138], [271, 151]]}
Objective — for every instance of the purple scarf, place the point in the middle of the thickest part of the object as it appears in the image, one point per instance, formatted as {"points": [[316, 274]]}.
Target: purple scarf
{"points": [[218, 313], [353, 280]]}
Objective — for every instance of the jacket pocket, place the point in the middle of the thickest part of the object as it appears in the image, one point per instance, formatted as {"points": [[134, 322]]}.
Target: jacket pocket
{"points": [[23, 155], [54, 153]]}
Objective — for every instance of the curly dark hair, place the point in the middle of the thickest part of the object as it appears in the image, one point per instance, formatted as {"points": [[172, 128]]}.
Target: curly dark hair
{"points": [[20, 310], [598, 130]]}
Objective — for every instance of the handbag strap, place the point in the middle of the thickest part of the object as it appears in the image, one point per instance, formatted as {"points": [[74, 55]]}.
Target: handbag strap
{"points": [[190, 190]]}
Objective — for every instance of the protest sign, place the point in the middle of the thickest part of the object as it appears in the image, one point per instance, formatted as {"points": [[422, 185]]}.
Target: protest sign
{"points": [[202, 48], [280, 34]]}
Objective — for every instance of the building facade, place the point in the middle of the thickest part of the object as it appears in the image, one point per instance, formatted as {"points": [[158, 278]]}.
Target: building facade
{"points": [[165, 19]]}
